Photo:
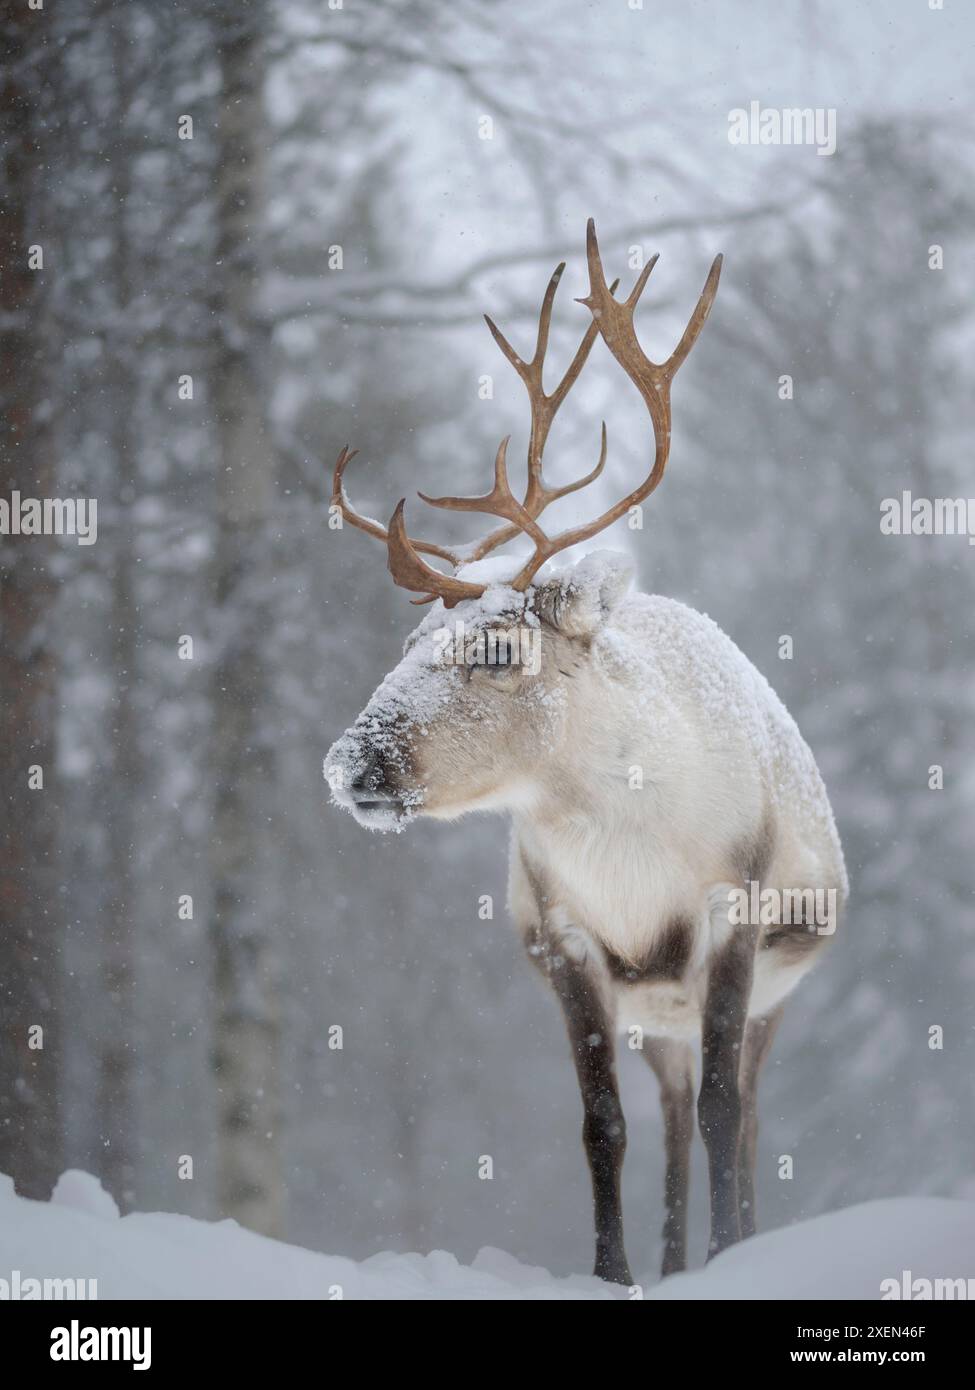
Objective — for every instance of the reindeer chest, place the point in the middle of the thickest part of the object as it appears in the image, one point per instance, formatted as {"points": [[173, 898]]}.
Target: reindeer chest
{"points": [[631, 911], [627, 890]]}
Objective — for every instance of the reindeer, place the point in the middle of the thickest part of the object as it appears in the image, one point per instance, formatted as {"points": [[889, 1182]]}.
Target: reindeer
{"points": [[652, 777]]}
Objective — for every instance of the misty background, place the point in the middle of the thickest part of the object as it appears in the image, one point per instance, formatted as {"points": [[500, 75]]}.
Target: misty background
{"points": [[361, 184]]}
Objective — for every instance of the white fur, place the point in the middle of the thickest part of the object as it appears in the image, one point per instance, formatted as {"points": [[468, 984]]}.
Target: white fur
{"points": [[624, 863], [656, 686]]}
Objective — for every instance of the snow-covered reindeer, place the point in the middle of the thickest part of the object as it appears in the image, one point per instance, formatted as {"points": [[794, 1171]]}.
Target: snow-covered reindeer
{"points": [[659, 791]]}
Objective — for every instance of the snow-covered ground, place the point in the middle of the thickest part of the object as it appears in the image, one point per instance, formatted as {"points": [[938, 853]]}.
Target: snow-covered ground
{"points": [[79, 1234]]}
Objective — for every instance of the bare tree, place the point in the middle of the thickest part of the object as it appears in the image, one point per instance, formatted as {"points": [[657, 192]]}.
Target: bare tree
{"points": [[246, 1021], [30, 1121], [116, 1040]]}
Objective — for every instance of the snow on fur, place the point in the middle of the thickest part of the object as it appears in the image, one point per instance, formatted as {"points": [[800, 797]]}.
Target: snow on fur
{"points": [[650, 644]]}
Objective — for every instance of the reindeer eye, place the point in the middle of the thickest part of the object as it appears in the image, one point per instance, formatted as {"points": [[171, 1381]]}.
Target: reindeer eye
{"points": [[494, 656]]}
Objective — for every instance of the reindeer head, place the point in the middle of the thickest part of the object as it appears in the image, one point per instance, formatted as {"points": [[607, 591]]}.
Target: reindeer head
{"points": [[478, 706]]}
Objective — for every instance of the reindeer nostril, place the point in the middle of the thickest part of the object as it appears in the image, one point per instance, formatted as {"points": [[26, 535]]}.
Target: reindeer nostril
{"points": [[370, 784], [369, 776]]}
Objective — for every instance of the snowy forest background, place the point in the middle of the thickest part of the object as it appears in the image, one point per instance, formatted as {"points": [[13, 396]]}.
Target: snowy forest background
{"points": [[360, 127]]}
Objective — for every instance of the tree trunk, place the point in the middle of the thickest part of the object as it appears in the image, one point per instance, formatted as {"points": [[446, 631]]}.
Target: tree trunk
{"points": [[246, 1024], [30, 939], [116, 1040]]}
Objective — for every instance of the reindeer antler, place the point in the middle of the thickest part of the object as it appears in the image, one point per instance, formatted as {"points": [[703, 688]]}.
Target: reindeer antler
{"points": [[404, 563], [652, 379], [614, 321]]}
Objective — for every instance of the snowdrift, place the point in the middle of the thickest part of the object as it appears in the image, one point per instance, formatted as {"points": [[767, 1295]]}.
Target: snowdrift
{"points": [[80, 1235]]}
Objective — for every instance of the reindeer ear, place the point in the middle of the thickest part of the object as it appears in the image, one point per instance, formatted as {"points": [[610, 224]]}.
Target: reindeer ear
{"points": [[580, 600]]}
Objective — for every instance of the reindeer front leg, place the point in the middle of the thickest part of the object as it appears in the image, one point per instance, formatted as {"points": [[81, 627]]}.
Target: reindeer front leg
{"points": [[603, 1128], [719, 1102]]}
